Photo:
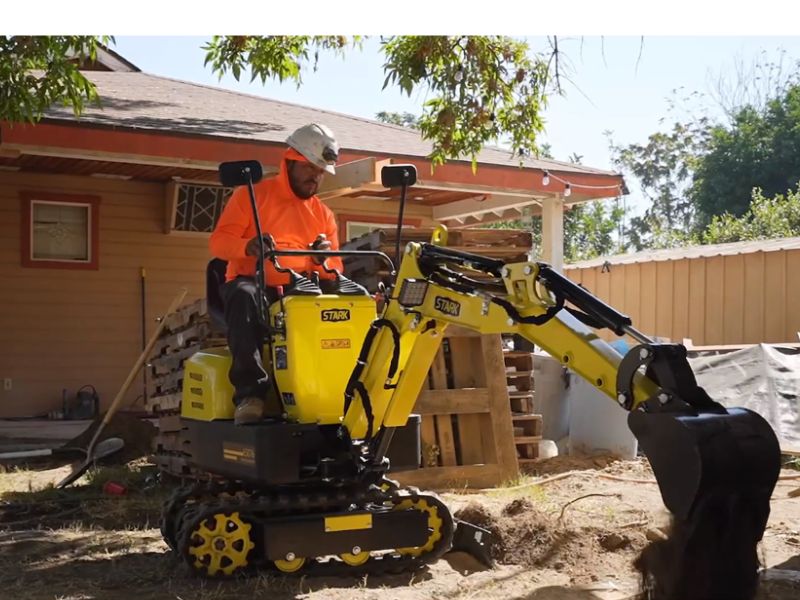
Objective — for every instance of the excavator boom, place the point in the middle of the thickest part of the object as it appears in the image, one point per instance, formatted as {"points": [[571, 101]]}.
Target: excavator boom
{"points": [[716, 467]]}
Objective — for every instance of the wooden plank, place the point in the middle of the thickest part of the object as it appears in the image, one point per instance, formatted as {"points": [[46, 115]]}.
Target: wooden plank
{"points": [[452, 402], [530, 425], [170, 423], [168, 402], [453, 478], [444, 426], [504, 453], [430, 450], [447, 444], [468, 371]]}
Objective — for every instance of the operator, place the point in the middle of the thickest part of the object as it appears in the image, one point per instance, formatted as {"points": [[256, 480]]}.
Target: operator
{"points": [[291, 213]]}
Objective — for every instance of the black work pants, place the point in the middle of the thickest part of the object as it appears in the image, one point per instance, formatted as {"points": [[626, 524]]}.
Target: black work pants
{"points": [[245, 339]]}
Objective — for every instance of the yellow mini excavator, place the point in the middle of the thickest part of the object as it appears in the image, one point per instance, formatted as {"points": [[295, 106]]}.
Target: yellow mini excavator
{"points": [[309, 492]]}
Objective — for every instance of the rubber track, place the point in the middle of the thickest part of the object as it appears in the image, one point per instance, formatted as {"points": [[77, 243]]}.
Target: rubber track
{"points": [[190, 506]]}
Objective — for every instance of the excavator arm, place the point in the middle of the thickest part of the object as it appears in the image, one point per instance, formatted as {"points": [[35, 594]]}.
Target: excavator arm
{"points": [[716, 467]]}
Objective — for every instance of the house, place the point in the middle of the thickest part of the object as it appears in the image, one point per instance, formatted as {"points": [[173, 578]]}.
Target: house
{"points": [[104, 217]]}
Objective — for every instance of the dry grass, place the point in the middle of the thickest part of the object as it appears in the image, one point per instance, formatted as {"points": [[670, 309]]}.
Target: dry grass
{"points": [[28, 503]]}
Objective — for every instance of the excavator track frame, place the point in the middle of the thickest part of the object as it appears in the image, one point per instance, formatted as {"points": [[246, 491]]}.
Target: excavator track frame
{"points": [[193, 505]]}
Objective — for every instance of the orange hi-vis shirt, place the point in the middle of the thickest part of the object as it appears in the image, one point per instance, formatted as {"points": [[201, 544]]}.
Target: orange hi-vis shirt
{"points": [[292, 222]]}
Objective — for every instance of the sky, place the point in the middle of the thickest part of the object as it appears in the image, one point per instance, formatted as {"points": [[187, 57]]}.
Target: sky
{"points": [[620, 84]]}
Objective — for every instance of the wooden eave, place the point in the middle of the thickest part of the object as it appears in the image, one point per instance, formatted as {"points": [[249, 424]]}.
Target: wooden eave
{"points": [[457, 196]]}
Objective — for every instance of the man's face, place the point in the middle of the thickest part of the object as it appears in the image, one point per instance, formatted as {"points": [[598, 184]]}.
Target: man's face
{"points": [[305, 178]]}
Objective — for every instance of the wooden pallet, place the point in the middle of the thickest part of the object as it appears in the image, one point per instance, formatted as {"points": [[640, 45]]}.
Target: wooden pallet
{"points": [[467, 438]]}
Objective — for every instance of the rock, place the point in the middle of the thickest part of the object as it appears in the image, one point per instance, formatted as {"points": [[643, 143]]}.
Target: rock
{"points": [[654, 534], [517, 506], [559, 566], [613, 541]]}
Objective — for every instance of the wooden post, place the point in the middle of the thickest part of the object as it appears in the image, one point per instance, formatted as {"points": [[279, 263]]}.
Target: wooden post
{"points": [[499, 406], [553, 232]]}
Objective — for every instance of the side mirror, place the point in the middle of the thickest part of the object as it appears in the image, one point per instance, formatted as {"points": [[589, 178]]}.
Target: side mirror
{"points": [[240, 172], [398, 175]]}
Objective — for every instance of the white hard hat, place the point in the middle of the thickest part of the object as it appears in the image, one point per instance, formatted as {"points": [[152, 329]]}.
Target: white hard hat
{"points": [[317, 144]]}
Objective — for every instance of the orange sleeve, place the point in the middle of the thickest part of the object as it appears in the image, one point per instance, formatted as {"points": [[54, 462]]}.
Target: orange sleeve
{"points": [[229, 240]]}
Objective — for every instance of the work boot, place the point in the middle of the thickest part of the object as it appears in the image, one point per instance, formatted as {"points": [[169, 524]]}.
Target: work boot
{"points": [[249, 410]]}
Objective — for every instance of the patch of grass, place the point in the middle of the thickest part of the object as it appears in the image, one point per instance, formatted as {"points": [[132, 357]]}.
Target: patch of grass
{"points": [[790, 462], [89, 505]]}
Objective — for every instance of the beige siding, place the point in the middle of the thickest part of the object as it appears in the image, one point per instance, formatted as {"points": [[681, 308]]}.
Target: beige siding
{"points": [[61, 329], [734, 299]]}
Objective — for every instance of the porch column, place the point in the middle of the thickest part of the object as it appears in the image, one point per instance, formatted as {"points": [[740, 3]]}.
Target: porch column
{"points": [[553, 231]]}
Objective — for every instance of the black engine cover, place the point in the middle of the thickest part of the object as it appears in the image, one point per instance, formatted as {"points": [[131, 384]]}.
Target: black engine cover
{"points": [[268, 453]]}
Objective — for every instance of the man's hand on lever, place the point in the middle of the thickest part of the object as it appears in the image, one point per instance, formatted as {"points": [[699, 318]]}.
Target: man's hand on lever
{"points": [[253, 247], [320, 243]]}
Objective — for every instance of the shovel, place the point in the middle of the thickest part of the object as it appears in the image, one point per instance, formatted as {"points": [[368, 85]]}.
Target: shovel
{"points": [[91, 451], [105, 448]]}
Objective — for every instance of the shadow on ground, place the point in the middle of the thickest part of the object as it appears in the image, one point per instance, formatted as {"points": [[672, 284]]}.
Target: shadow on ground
{"points": [[105, 565]]}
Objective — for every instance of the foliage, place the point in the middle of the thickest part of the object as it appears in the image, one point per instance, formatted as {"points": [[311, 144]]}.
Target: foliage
{"points": [[405, 119], [767, 218], [590, 228], [664, 167], [37, 72], [759, 150], [483, 88], [280, 56]]}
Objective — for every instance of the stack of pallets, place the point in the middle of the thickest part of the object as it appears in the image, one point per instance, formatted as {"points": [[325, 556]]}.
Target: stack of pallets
{"points": [[186, 331], [527, 424]]}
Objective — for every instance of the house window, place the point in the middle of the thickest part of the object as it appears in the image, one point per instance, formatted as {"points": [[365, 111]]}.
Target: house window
{"points": [[198, 207], [59, 231]]}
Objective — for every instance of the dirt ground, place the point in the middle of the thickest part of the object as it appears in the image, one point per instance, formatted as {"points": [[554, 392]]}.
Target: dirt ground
{"points": [[568, 532]]}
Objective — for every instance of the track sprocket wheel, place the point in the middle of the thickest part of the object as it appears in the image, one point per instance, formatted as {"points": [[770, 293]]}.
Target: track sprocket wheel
{"points": [[440, 524], [219, 544]]}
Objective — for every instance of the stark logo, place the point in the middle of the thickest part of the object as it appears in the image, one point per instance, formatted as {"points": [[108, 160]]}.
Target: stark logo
{"points": [[336, 314], [447, 306]]}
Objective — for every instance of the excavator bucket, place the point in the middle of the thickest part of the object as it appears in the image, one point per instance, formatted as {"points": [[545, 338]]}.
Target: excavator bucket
{"points": [[716, 471]]}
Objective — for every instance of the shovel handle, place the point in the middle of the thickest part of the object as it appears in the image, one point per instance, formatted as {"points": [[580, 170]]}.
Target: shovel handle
{"points": [[26, 453], [138, 365]]}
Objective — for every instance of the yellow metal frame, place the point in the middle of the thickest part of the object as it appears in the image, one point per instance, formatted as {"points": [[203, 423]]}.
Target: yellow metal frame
{"points": [[421, 328], [348, 522]]}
